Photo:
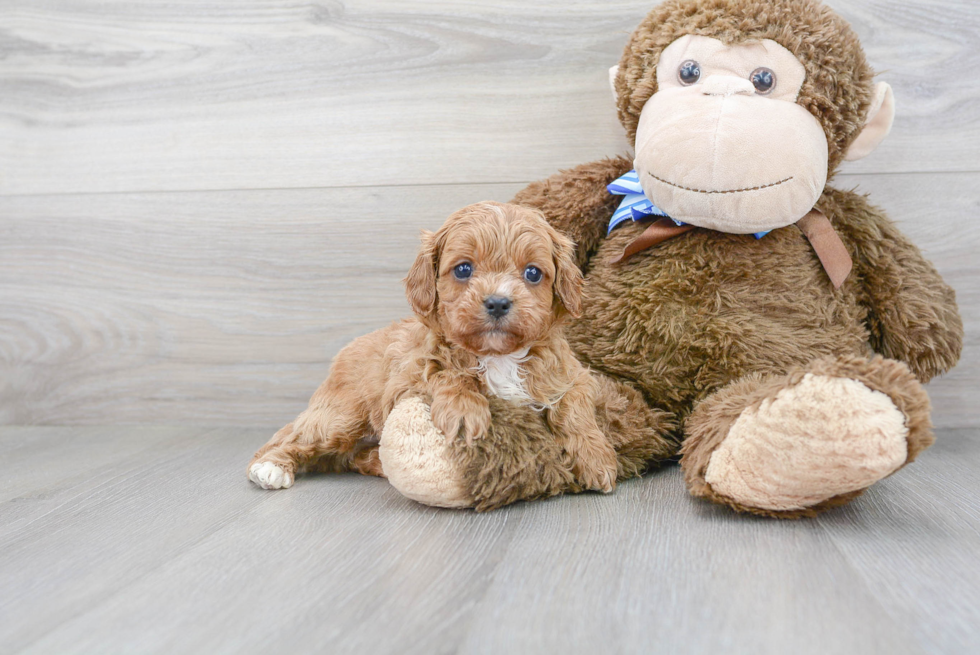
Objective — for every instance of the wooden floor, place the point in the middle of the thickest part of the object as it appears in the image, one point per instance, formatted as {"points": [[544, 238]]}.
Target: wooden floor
{"points": [[150, 540]]}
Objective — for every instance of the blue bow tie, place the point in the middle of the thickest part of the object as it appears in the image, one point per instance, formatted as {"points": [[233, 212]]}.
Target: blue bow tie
{"points": [[635, 205]]}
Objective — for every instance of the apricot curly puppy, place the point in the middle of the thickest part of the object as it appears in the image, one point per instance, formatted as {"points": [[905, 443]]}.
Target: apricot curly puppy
{"points": [[489, 291]]}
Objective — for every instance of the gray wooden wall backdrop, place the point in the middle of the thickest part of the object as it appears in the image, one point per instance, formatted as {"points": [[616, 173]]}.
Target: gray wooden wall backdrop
{"points": [[201, 201]]}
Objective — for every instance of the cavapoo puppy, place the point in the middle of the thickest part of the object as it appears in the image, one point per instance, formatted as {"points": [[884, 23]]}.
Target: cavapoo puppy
{"points": [[489, 290]]}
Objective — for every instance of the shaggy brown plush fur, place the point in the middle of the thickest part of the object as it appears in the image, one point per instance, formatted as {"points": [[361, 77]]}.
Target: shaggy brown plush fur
{"points": [[696, 313], [702, 309], [723, 321]]}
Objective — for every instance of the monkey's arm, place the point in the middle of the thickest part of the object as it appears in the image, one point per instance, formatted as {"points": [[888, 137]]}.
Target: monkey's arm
{"points": [[913, 315], [577, 203]]}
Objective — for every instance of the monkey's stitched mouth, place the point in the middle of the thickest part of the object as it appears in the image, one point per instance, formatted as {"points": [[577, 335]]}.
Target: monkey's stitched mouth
{"points": [[685, 188]]}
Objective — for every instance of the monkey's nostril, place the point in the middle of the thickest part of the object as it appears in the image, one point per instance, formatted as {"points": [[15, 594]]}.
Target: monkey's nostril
{"points": [[497, 306]]}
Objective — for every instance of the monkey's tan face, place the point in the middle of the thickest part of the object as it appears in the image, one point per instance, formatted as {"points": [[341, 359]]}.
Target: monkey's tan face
{"points": [[723, 144], [495, 284]]}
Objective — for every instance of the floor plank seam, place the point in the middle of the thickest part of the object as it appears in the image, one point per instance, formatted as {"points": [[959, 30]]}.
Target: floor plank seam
{"points": [[396, 185]]}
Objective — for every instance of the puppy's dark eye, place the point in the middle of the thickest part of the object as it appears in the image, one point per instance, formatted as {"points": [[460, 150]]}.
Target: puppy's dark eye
{"points": [[532, 274], [689, 72], [763, 80], [463, 271]]}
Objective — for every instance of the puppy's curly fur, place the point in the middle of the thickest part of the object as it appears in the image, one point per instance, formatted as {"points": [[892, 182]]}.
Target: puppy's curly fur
{"points": [[489, 291]]}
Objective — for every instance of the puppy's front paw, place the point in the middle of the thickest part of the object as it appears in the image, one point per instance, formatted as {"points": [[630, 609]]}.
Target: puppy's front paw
{"points": [[270, 476], [476, 424], [597, 468], [469, 412]]}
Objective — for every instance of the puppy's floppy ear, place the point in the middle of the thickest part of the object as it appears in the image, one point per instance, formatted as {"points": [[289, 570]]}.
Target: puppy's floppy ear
{"points": [[420, 283], [568, 277]]}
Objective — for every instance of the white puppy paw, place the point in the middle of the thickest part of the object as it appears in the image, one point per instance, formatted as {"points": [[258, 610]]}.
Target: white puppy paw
{"points": [[270, 476]]}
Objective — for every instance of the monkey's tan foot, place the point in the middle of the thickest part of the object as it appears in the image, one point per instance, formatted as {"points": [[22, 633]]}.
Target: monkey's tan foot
{"points": [[413, 453], [270, 476], [820, 438], [813, 439]]}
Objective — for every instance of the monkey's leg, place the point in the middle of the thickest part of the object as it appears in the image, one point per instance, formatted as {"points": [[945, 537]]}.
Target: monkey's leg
{"points": [[793, 445], [520, 458], [523, 460]]}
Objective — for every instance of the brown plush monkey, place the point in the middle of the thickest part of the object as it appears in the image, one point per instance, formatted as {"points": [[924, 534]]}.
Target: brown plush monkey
{"points": [[774, 330]]}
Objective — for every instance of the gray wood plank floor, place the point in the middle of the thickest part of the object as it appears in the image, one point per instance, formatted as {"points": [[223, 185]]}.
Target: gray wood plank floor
{"points": [[126, 540]]}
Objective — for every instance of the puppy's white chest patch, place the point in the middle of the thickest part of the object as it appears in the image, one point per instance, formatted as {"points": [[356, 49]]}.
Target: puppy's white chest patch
{"points": [[504, 375]]}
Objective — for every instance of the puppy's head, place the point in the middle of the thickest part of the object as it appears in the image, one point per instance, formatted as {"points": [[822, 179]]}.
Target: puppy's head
{"points": [[494, 278]]}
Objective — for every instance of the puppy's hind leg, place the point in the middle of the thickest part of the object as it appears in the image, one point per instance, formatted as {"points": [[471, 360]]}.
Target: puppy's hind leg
{"points": [[326, 435], [322, 431], [365, 460]]}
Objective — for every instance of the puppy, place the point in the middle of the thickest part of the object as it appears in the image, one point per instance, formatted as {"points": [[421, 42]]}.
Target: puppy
{"points": [[489, 291]]}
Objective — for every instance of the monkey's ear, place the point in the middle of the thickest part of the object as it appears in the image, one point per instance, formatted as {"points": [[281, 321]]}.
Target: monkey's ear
{"points": [[420, 283], [568, 276], [881, 114], [612, 81]]}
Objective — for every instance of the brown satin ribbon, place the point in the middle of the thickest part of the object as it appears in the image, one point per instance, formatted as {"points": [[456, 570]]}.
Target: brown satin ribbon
{"points": [[828, 246], [815, 226], [660, 230]]}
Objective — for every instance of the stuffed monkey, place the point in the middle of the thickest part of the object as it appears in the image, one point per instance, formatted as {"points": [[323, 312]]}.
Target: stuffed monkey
{"points": [[772, 330]]}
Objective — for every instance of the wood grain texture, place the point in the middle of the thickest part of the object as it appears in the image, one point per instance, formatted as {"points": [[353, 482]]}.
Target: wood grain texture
{"points": [[42, 467], [880, 540], [172, 550], [102, 96], [226, 308]]}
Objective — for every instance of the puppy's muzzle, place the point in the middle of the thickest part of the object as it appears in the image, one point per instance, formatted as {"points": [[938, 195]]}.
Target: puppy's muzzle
{"points": [[497, 306]]}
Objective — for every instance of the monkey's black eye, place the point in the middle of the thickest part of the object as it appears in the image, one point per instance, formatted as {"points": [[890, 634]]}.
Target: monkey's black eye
{"points": [[532, 274], [463, 271], [689, 72], [763, 79]]}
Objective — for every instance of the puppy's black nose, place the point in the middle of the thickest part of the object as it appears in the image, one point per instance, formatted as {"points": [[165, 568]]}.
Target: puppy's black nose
{"points": [[497, 306]]}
